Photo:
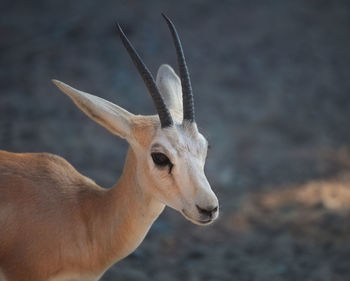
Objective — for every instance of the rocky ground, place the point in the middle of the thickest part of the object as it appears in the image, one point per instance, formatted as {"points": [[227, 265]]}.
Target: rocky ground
{"points": [[272, 89]]}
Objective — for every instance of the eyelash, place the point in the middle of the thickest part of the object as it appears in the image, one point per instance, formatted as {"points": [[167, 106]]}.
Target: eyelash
{"points": [[161, 160]]}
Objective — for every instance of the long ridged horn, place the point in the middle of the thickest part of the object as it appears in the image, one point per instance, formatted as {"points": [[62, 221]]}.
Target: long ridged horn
{"points": [[163, 112], [187, 95]]}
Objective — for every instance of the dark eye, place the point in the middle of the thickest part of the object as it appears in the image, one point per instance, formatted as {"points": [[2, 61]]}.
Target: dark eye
{"points": [[160, 159]]}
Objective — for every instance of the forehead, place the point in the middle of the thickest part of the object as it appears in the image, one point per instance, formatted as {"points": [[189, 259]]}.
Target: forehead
{"points": [[179, 139]]}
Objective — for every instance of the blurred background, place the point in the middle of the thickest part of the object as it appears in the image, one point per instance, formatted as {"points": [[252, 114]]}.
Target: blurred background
{"points": [[272, 91]]}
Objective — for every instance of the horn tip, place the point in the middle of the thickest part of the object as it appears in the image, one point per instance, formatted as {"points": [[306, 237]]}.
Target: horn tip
{"points": [[117, 25], [119, 28], [166, 17]]}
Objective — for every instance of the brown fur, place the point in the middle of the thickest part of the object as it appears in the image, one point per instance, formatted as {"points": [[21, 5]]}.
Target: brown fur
{"points": [[54, 221]]}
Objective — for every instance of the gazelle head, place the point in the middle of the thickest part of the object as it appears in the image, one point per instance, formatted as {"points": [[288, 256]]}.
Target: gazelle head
{"points": [[170, 152]]}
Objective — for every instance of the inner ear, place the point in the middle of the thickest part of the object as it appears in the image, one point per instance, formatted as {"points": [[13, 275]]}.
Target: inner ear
{"points": [[169, 85]]}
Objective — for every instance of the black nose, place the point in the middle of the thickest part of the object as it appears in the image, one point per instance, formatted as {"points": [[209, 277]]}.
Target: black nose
{"points": [[209, 211]]}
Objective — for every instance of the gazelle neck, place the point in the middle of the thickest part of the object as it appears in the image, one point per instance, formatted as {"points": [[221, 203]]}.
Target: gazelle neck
{"points": [[127, 213]]}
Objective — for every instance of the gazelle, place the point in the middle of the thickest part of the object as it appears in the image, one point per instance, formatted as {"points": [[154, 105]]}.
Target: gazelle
{"points": [[58, 225]]}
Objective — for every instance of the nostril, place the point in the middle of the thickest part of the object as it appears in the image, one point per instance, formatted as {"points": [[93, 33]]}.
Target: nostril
{"points": [[208, 212]]}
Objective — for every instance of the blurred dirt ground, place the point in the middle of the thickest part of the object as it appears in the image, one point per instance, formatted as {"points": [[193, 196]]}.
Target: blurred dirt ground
{"points": [[272, 91]]}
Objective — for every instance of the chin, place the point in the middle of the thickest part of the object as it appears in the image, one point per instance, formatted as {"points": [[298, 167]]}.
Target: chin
{"points": [[197, 220]]}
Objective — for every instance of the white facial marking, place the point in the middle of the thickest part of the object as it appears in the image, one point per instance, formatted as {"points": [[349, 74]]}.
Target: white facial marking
{"points": [[182, 184]]}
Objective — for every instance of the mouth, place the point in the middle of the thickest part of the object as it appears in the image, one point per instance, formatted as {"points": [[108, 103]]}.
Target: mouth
{"points": [[199, 222]]}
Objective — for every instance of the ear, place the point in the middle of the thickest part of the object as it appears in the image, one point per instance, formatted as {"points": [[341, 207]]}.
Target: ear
{"points": [[114, 118], [170, 86]]}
